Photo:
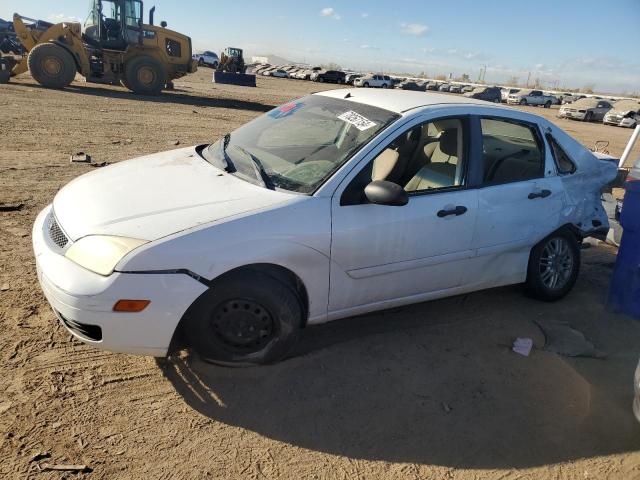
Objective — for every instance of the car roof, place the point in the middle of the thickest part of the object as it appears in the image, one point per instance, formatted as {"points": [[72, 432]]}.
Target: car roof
{"points": [[400, 101]]}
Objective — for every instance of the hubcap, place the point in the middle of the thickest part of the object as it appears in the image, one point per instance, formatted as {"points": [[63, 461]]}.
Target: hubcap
{"points": [[52, 66], [146, 75], [243, 325], [556, 263]]}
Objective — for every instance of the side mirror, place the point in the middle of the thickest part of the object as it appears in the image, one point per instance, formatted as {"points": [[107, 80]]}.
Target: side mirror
{"points": [[382, 192], [163, 24]]}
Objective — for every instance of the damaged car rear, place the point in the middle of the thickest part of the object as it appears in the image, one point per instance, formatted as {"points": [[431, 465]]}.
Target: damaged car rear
{"points": [[389, 197]]}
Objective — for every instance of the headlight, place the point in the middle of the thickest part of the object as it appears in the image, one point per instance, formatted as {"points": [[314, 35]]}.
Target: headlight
{"points": [[100, 253]]}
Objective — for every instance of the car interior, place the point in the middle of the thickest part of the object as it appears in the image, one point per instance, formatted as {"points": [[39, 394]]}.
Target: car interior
{"points": [[431, 156], [426, 157]]}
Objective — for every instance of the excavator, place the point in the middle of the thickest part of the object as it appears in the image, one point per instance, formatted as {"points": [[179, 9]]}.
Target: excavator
{"points": [[113, 46]]}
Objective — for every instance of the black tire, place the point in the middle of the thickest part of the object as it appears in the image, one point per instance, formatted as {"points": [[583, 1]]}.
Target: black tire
{"points": [[523, 101], [543, 266], [321, 80], [384, 85], [215, 65], [365, 84], [145, 75], [221, 325], [547, 104], [52, 66], [588, 117]]}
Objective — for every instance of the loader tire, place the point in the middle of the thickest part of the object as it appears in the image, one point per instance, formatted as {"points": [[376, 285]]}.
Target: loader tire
{"points": [[51, 65], [145, 76]]}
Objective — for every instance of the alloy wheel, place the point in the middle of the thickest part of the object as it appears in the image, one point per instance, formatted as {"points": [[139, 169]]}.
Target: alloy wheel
{"points": [[556, 263]]}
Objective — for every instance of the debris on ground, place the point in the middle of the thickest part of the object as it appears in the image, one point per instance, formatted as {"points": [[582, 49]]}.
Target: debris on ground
{"points": [[174, 142], [40, 456], [98, 165], [446, 407], [4, 287], [523, 346], [80, 157], [66, 468], [11, 207], [562, 339]]}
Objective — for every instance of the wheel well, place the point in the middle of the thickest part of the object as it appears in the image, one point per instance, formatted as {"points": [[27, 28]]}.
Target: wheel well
{"points": [[278, 272]]}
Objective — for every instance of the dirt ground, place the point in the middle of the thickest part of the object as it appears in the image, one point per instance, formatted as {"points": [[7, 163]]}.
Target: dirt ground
{"points": [[430, 391]]}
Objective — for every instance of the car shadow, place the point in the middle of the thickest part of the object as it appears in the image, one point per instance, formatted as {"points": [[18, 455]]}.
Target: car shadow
{"points": [[436, 383], [175, 97]]}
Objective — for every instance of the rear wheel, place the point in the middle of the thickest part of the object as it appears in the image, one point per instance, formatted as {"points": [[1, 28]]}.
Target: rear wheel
{"points": [[145, 76], [553, 266], [384, 85], [249, 318], [547, 105], [51, 65]]}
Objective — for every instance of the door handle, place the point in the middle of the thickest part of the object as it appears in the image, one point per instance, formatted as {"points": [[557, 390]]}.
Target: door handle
{"points": [[459, 210], [540, 194]]}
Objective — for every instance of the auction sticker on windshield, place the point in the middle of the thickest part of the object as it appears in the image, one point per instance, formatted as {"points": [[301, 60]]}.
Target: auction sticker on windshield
{"points": [[357, 120], [285, 110]]}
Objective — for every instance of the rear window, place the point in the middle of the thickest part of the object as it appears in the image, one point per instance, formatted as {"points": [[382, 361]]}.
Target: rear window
{"points": [[564, 163], [512, 152]]}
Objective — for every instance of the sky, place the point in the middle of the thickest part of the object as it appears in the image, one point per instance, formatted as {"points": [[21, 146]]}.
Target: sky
{"points": [[563, 43]]}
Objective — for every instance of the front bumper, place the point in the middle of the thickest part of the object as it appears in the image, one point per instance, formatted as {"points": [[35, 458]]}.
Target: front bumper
{"points": [[573, 115], [83, 301]]}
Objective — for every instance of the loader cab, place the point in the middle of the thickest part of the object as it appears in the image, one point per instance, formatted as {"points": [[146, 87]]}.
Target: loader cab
{"points": [[233, 52], [114, 24]]}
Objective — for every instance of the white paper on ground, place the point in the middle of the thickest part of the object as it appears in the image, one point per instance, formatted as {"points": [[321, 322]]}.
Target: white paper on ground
{"points": [[523, 346]]}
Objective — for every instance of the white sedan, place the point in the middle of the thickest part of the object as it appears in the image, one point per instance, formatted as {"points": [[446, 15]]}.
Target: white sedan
{"points": [[337, 204]]}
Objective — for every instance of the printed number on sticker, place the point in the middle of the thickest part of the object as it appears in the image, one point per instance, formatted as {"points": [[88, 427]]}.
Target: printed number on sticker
{"points": [[357, 120]]}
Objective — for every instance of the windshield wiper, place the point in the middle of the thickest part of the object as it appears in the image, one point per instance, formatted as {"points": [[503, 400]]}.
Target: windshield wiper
{"points": [[228, 164], [261, 173]]}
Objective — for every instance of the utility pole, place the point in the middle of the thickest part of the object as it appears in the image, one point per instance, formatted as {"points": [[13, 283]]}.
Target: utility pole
{"points": [[528, 78]]}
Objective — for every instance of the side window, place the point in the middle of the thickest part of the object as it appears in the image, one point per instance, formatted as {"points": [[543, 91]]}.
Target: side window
{"points": [[512, 152], [430, 157], [564, 163]]}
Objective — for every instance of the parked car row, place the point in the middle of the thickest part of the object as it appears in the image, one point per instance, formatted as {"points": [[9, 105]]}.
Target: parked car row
{"points": [[624, 113]]}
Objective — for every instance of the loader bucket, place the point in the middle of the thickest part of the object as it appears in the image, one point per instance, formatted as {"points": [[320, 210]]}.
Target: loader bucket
{"points": [[241, 79]]}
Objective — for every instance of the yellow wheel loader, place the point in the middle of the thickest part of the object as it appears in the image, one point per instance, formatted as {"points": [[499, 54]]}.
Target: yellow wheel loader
{"points": [[113, 47]]}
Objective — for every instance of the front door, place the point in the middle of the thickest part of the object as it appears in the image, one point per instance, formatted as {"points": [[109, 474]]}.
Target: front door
{"points": [[385, 255]]}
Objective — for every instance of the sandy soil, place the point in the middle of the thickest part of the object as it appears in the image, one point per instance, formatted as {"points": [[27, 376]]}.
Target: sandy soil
{"points": [[430, 391]]}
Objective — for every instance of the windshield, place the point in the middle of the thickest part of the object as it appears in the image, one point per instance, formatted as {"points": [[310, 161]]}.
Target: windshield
{"points": [[299, 145]]}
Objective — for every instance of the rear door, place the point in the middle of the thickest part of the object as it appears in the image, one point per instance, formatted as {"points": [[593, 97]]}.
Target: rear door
{"points": [[520, 199]]}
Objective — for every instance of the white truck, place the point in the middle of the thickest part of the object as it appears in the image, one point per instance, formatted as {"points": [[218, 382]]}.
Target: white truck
{"points": [[530, 97]]}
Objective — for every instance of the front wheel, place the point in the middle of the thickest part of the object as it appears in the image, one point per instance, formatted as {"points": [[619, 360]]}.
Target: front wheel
{"points": [[547, 105], [51, 65], [250, 318], [553, 269], [588, 117], [496, 100], [145, 75], [201, 62], [523, 102], [365, 84]]}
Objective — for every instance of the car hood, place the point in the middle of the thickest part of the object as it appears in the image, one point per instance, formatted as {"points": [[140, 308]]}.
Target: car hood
{"points": [[154, 196]]}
